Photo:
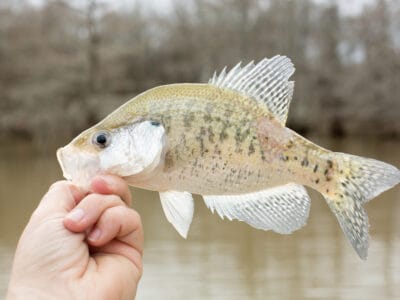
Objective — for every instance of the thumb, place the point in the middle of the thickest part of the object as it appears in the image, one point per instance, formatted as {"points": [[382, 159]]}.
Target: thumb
{"points": [[61, 197]]}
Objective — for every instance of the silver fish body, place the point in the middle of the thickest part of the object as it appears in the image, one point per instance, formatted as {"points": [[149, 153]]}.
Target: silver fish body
{"points": [[227, 141]]}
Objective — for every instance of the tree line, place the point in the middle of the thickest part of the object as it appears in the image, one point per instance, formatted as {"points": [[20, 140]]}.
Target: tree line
{"points": [[64, 66]]}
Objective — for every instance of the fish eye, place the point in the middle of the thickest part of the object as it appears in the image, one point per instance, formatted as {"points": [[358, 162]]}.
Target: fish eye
{"points": [[102, 139]]}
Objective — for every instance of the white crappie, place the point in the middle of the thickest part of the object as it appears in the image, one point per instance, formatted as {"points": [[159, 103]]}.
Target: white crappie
{"points": [[227, 141]]}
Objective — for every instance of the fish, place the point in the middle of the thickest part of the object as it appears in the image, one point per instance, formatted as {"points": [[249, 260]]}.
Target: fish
{"points": [[227, 140]]}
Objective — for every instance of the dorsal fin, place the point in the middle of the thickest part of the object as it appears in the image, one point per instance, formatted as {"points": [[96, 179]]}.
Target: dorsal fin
{"points": [[266, 82]]}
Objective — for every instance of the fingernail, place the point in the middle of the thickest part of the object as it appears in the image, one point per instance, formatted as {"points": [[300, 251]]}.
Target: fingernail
{"points": [[95, 234], [76, 215]]}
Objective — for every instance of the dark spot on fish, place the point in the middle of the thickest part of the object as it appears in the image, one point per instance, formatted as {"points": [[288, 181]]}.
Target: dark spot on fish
{"points": [[284, 157], [155, 123], [326, 171], [290, 144], [344, 184], [223, 135], [168, 160], [188, 119], [200, 139], [210, 134], [304, 162], [195, 162], [263, 155], [295, 158], [244, 134], [330, 164], [327, 190], [207, 118], [238, 136], [217, 151], [227, 113], [317, 181], [251, 149], [315, 168], [238, 149]]}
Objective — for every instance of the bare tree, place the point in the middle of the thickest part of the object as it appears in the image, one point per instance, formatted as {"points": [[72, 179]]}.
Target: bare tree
{"points": [[64, 65]]}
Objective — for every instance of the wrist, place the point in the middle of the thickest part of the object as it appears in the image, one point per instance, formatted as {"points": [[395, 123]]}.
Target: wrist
{"points": [[46, 291], [21, 292]]}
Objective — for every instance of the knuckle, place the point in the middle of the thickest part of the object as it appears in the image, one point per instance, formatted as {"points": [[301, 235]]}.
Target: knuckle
{"points": [[136, 216], [114, 215], [139, 266], [128, 195], [91, 198], [114, 199], [100, 200], [59, 184]]}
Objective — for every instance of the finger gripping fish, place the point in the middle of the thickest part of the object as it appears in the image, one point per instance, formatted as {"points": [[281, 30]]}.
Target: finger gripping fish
{"points": [[227, 141]]}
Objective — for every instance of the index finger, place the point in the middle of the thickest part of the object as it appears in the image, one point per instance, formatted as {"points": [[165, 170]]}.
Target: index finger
{"points": [[110, 184], [62, 196]]}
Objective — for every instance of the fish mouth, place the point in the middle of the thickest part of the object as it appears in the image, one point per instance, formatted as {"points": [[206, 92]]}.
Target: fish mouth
{"points": [[61, 161], [77, 165]]}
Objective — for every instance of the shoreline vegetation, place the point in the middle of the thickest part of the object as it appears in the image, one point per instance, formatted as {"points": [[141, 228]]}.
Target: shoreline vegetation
{"points": [[64, 66]]}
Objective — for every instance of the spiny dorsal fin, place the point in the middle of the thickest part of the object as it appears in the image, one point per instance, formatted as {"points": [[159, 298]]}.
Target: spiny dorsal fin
{"points": [[266, 81]]}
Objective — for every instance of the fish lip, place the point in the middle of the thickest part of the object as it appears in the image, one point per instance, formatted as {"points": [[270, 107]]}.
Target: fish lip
{"points": [[78, 166], [60, 161]]}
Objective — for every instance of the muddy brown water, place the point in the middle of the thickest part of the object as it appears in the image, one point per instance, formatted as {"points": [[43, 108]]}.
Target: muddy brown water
{"points": [[231, 260]]}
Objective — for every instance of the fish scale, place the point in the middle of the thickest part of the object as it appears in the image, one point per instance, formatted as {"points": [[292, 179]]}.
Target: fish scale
{"points": [[227, 141], [232, 158]]}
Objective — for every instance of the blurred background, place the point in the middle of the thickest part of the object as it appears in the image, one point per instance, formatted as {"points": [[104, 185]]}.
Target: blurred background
{"points": [[64, 65]]}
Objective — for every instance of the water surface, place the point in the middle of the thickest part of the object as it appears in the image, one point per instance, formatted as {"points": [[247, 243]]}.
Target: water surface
{"points": [[231, 260]]}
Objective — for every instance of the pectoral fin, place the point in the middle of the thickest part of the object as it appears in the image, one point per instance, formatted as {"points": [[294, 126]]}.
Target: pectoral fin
{"points": [[282, 209], [178, 208]]}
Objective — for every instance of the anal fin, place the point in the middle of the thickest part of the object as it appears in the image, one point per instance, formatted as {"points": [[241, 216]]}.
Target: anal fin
{"points": [[178, 208], [282, 209]]}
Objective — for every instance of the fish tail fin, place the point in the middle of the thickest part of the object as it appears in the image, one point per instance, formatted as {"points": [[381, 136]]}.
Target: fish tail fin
{"points": [[357, 180]]}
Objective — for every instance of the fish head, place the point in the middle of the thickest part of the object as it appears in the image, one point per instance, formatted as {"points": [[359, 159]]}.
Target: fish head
{"points": [[131, 149]]}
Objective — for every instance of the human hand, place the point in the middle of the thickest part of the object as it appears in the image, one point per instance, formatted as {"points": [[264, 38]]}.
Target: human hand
{"points": [[78, 246]]}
